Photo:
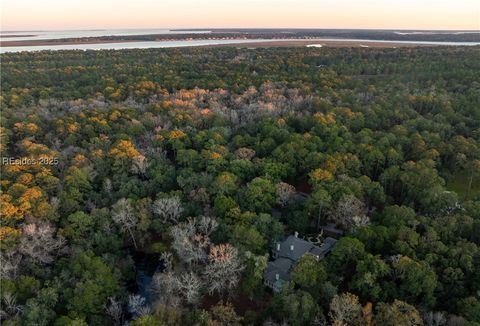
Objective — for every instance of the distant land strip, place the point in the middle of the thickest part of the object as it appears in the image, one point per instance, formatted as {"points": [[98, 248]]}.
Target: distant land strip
{"points": [[274, 35], [16, 35]]}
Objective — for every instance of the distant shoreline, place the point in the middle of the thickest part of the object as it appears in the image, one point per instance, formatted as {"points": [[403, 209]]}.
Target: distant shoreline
{"points": [[323, 43], [241, 42], [7, 44], [17, 35]]}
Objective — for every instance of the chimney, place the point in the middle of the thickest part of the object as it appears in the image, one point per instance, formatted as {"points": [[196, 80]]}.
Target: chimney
{"points": [[291, 247], [296, 234], [278, 246], [277, 276]]}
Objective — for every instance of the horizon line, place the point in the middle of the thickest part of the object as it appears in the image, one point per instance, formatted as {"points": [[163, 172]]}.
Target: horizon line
{"points": [[235, 28]]}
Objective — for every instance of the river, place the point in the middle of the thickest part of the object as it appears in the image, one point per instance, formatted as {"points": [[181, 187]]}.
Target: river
{"points": [[47, 35], [173, 44]]}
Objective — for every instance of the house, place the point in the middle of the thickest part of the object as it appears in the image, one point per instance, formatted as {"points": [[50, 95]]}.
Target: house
{"points": [[286, 253]]}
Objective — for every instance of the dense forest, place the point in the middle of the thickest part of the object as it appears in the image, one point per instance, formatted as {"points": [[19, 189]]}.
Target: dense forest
{"points": [[149, 187]]}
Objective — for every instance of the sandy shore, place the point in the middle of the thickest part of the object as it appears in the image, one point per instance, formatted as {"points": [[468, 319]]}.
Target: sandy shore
{"points": [[322, 43]]}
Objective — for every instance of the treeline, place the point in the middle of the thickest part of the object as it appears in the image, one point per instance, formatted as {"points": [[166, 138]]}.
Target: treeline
{"points": [[272, 34], [394, 35], [206, 157]]}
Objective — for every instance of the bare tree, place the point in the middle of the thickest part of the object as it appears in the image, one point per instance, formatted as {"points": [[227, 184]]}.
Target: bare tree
{"points": [[166, 287], [217, 268], [138, 306], [108, 187], [39, 243], [244, 153], [434, 318], [206, 224], [115, 311], [9, 307], [350, 212], [359, 220], [191, 285], [191, 239], [139, 165], [165, 283], [124, 216], [200, 194], [168, 209], [223, 269], [9, 264], [284, 193], [55, 204], [345, 308], [170, 288]]}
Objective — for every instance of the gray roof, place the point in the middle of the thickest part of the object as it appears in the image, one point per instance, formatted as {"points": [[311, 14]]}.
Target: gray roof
{"points": [[280, 266], [326, 246], [286, 257], [300, 247]]}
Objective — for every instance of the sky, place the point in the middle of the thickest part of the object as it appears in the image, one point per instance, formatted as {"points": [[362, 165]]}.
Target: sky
{"points": [[100, 14]]}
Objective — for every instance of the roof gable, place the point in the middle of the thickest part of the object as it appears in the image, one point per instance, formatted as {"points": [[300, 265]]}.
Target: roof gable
{"points": [[293, 248]]}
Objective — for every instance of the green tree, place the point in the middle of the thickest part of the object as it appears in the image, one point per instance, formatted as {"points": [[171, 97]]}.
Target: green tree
{"points": [[418, 281], [470, 309], [309, 274], [253, 274], [398, 313], [89, 284], [41, 309], [297, 307], [344, 257], [78, 227], [368, 278], [259, 196]]}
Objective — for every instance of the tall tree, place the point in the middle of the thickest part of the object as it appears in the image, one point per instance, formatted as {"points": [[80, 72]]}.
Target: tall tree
{"points": [[124, 216]]}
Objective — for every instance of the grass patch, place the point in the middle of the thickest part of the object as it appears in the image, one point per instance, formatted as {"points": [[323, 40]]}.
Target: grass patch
{"points": [[459, 183]]}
